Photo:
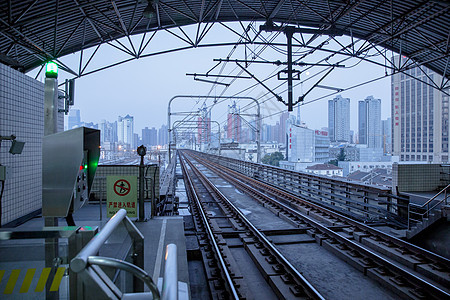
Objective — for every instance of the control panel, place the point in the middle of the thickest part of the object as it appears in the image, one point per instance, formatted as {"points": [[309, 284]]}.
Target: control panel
{"points": [[80, 191], [69, 162]]}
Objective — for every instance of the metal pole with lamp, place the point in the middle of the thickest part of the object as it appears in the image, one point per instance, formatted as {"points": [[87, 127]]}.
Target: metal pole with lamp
{"points": [[141, 150]]}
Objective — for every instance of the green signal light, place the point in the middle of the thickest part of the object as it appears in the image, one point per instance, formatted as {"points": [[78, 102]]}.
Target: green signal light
{"points": [[51, 70], [85, 166]]}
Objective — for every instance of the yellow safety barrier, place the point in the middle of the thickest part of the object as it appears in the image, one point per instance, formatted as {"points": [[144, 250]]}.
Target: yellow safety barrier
{"points": [[28, 279]]}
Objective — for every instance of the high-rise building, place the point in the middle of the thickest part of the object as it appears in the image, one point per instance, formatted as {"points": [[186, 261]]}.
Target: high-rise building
{"points": [[267, 133], [420, 129], [386, 133], [307, 145], [276, 132], [162, 135], [146, 136], [339, 119], [245, 135], [369, 122], [149, 136], [153, 136], [362, 123], [136, 141], [90, 125], [125, 130], [74, 119], [234, 123], [204, 125], [108, 131], [282, 130], [252, 132]]}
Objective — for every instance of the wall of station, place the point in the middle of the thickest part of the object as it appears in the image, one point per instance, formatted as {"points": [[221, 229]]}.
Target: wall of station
{"points": [[420, 177], [22, 114]]}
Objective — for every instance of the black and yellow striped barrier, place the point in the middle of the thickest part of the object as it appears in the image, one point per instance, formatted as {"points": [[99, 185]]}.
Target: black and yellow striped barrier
{"points": [[25, 285]]}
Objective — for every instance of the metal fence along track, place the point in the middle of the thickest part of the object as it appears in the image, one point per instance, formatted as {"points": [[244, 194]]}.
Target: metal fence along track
{"points": [[410, 271]]}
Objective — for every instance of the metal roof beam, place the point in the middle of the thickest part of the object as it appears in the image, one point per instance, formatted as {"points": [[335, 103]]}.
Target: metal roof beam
{"points": [[399, 20], [69, 37], [29, 44], [5, 59], [163, 4], [89, 20], [56, 28], [276, 9], [132, 17], [251, 8], [24, 12], [219, 6]]}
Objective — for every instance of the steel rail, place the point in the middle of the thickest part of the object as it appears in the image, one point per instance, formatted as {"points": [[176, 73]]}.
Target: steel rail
{"points": [[209, 231], [414, 279], [360, 226], [307, 286]]}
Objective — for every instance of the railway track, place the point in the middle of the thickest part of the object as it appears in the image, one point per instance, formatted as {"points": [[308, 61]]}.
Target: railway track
{"points": [[409, 271], [226, 277]]}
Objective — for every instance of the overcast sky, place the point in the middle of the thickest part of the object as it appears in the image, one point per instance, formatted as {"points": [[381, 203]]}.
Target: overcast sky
{"points": [[142, 88]]}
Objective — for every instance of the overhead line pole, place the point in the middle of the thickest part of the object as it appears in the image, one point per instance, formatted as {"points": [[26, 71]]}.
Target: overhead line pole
{"points": [[289, 32]]}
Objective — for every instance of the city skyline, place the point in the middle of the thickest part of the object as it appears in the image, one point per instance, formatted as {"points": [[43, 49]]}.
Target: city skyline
{"points": [[269, 132], [265, 120], [354, 119]]}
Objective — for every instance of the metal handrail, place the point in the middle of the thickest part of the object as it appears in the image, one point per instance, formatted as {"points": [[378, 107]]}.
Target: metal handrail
{"points": [[87, 256], [80, 261], [128, 267], [434, 197], [170, 279], [427, 204]]}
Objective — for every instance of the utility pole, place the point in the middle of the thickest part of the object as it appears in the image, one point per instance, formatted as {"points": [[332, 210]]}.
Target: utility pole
{"points": [[289, 32]]}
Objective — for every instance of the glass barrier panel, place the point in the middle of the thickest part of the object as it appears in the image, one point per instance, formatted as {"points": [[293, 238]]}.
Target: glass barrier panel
{"points": [[119, 245]]}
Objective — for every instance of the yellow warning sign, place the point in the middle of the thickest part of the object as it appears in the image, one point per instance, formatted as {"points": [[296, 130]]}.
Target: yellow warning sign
{"points": [[121, 192], [13, 283]]}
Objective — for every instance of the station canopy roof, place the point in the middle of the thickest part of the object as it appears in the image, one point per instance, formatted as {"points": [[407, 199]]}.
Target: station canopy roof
{"points": [[35, 31]]}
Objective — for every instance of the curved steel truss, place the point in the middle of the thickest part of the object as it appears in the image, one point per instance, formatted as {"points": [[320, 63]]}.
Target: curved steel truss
{"points": [[35, 31]]}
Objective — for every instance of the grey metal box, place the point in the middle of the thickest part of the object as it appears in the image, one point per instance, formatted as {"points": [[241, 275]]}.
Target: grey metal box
{"points": [[69, 162]]}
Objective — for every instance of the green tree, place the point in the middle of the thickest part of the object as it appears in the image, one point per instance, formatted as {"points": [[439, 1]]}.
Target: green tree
{"points": [[273, 159], [333, 162], [339, 157]]}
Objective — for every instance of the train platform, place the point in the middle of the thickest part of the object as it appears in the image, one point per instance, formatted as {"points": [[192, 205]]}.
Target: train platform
{"points": [[158, 233]]}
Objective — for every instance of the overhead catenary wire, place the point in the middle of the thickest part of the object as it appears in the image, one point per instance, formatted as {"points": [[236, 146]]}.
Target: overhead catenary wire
{"points": [[324, 59], [304, 53]]}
